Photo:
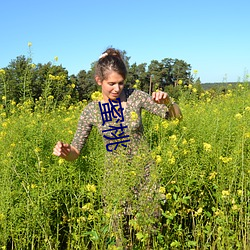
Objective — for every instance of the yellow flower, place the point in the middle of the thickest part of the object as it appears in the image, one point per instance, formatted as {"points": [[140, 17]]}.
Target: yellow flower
{"points": [[239, 192], [218, 212], [135, 86], [3, 97], [225, 159], [2, 217], [235, 207], [191, 140], [171, 160], [184, 141], [137, 80], [190, 86], [91, 188], [238, 116], [87, 207], [51, 77], [158, 159], [212, 175], [173, 137], [2, 72], [29, 44], [73, 85], [194, 90], [180, 82], [133, 116], [96, 96], [168, 196], [164, 124], [162, 190], [61, 161], [195, 71], [225, 193], [156, 127], [37, 149], [4, 124], [50, 97], [133, 173], [246, 108], [56, 58], [198, 212], [207, 147]]}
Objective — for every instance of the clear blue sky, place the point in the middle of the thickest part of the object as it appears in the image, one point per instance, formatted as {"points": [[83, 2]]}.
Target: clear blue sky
{"points": [[212, 36]]}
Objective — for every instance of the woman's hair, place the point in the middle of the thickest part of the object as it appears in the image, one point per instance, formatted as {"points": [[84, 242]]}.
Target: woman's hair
{"points": [[110, 60]]}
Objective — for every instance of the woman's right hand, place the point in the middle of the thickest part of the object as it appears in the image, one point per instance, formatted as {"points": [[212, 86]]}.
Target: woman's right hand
{"points": [[62, 149], [66, 151]]}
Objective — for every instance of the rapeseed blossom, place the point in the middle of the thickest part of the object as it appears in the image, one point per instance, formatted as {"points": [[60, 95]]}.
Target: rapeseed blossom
{"points": [[91, 188], [225, 159], [198, 212], [168, 196], [212, 175], [225, 193], [158, 159], [162, 190], [173, 137], [96, 96], [238, 116], [207, 147], [164, 124]]}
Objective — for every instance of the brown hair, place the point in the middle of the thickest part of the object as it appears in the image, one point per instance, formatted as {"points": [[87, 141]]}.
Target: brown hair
{"points": [[110, 60]]}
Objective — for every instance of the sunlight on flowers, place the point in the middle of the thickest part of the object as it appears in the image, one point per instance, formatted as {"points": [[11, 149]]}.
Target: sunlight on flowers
{"points": [[96, 96]]}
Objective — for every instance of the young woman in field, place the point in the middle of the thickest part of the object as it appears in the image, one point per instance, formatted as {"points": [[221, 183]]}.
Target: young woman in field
{"points": [[119, 121], [111, 74]]}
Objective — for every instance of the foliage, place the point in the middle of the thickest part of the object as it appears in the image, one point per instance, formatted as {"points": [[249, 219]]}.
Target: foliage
{"points": [[202, 163]]}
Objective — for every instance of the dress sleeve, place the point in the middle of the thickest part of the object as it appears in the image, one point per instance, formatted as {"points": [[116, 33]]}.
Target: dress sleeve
{"points": [[84, 127], [151, 106]]}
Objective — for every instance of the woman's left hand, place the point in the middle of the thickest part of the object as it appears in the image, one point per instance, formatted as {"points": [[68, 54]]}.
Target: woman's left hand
{"points": [[161, 97]]}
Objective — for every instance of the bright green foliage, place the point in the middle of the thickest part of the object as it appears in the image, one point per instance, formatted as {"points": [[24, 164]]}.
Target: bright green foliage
{"points": [[203, 163]]}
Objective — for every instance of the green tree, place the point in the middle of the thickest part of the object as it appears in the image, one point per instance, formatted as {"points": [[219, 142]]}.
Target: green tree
{"points": [[18, 79]]}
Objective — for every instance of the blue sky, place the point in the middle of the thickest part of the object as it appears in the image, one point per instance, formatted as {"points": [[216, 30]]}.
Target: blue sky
{"points": [[212, 36]]}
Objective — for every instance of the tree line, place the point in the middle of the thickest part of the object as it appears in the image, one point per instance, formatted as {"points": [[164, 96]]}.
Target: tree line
{"points": [[22, 79]]}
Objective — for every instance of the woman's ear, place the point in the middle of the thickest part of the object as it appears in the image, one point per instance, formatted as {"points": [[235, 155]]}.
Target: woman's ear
{"points": [[98, 80]]}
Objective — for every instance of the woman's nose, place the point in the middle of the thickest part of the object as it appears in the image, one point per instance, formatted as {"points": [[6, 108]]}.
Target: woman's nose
{"points": [[116, 87]]}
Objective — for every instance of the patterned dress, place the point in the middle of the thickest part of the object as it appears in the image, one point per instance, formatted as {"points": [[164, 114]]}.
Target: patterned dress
{"points": [[131, 126]]}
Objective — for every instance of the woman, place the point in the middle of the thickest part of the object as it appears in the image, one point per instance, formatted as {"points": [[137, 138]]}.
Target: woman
{"points": [[110, 74], [118, 119]]}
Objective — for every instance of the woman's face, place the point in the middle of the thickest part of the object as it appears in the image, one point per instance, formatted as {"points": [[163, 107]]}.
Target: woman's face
{"points": [[112, 86]]}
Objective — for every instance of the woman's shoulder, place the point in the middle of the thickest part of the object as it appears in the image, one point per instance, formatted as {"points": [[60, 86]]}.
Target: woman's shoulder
{"points": [[135, 93], [91, 107]]}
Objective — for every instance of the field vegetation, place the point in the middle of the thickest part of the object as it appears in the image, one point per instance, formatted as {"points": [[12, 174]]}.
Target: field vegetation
{"points": [[202, 162]]}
